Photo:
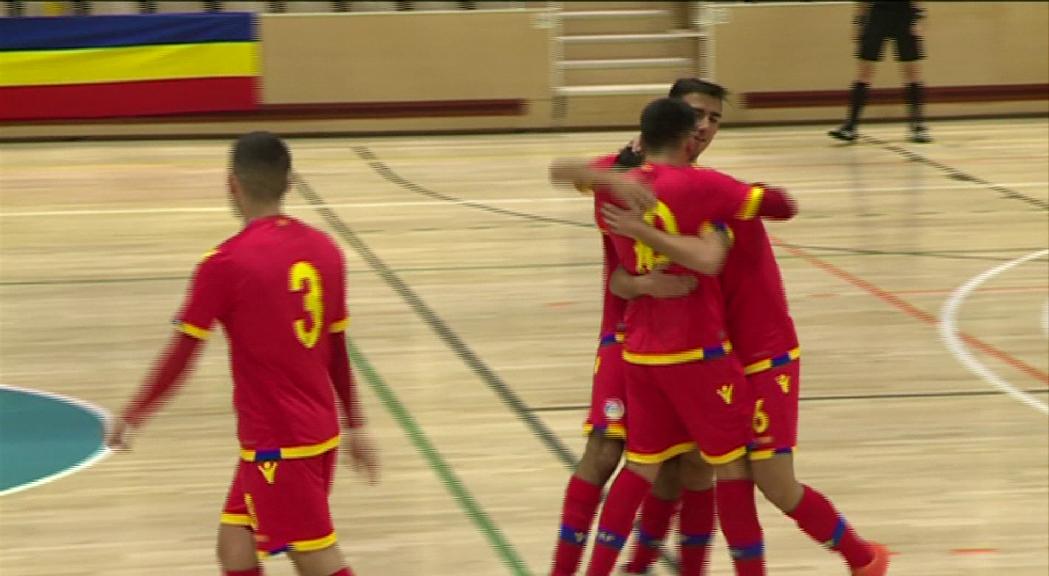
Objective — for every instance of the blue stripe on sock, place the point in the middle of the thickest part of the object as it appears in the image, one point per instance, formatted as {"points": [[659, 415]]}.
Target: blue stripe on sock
{"points": [[748, 552], [610, 539], [695, 539], [573, 536], [648, 541], [839, 531]]}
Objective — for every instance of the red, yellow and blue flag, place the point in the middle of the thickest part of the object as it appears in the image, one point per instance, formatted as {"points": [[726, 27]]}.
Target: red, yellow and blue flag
{"points": [[134, 65]]}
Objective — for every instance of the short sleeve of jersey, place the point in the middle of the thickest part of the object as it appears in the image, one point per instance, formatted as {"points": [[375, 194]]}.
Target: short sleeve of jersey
{"points": [[731, 199], [340, 313], [209, 296]]}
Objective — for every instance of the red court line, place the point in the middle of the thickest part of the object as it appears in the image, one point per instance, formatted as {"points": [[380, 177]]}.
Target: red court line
{"points": [[912, 311]]}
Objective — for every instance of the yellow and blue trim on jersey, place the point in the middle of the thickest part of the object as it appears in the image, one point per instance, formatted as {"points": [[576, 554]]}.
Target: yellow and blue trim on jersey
{"points": [[614, 431], [194, 331], [610, 339], [753, 204], [675, 450], [767, 453], [288, 453], [726, 457], [773, 362], [300, 546], [339, 326], [235, 519], [707, 353]]}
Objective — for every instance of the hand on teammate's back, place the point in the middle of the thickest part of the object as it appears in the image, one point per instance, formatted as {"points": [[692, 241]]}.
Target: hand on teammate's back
{"points": [[632, 193], [623, 221], [363, 455]]}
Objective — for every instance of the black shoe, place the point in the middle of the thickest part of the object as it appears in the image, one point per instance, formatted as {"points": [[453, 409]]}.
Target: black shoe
{"points": [[920, 134], [845, 133]]}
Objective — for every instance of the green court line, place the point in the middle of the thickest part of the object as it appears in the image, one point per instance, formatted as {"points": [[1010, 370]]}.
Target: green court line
{"points": [[495, 537]]}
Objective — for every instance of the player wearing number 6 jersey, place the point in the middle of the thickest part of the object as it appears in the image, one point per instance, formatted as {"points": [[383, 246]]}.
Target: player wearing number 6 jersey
{"points": [[278, 289]]}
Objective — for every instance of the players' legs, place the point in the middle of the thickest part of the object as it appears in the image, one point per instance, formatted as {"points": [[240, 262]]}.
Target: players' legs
{"points": [[869, 51], [326, 562], [697, 520], [772, 463], [814, 513], [606, 427], [721, 405], [236, 551], [656, 513], [915, 93], [582, 497], [600, 459], [656, 435]]}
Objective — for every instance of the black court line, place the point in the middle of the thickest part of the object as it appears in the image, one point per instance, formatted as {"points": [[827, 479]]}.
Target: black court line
{"points": [[439, 326], [380, 168], [902, 395], [956, 174]]}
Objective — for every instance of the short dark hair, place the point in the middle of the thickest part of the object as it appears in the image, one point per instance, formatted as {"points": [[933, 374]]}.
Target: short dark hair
{"points": [[685, 86], [664, 122], [261, 163]]}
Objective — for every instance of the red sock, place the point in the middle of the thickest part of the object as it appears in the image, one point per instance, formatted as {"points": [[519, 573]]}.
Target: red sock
{"points": [[617, 517], [697, 530], [739, 524], [256, 571], [817, 517], [577, 514], [655, 521], [343, 572]]}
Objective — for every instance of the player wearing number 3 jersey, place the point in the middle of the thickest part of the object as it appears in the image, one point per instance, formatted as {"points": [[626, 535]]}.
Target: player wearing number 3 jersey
{"points": [[278, 289]]}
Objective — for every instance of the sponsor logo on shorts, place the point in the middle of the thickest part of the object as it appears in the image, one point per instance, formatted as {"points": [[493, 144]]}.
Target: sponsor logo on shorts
{"points": [[269, 471], [614, 409], [784, 383]]}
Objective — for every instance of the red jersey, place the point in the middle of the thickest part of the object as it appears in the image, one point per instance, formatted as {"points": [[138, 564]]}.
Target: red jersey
{"points": [[692, 327], [278, 288], [614, 306], [759, 322]]}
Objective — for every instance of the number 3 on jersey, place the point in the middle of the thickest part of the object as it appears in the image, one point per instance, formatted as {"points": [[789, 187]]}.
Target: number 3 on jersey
{"points": [[647, 258], [312, 301]]}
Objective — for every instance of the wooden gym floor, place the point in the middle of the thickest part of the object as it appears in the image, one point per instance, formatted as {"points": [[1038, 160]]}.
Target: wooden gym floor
{"points": [[917, 276]]}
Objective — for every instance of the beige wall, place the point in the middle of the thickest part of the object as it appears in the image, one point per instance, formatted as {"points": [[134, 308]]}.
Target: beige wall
{"points": [[808, 46], [390, 57], [324, 58]]}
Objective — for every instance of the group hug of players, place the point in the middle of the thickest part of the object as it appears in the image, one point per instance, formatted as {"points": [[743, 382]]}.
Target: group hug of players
{"points": [[698, 366]]}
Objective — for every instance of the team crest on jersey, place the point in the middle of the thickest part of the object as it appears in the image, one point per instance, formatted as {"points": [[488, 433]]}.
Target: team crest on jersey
{"points": [[614, 409], [725, 391], [784, 383], [269, 471]]}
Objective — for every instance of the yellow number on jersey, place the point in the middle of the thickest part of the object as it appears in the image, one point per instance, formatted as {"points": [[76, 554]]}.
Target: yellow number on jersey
{"points": [[312, 301], [761, 418], [647, 258]]}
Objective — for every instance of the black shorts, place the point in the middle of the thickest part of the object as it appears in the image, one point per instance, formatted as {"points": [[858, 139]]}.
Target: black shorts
{"points": [[881, 27]]}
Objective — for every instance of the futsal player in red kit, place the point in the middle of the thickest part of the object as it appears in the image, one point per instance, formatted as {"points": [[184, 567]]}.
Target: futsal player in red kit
{"points": [[278, 289], [684, 387]]}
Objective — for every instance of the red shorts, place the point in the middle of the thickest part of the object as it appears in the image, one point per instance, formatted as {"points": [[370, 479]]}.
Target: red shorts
{"points": [[608, 395], [284, 502], [679, 407], [775, 421]]}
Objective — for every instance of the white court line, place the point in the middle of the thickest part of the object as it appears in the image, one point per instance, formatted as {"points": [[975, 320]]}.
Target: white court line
{"points": [[949, 333], [802, 189], [101, 453]]}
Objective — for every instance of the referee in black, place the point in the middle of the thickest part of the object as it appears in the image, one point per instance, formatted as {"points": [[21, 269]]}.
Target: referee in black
{"points": [[875, 22]]}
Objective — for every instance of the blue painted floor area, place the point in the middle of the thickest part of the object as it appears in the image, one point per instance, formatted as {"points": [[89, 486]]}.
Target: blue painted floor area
{"points": [[42, 436]]}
